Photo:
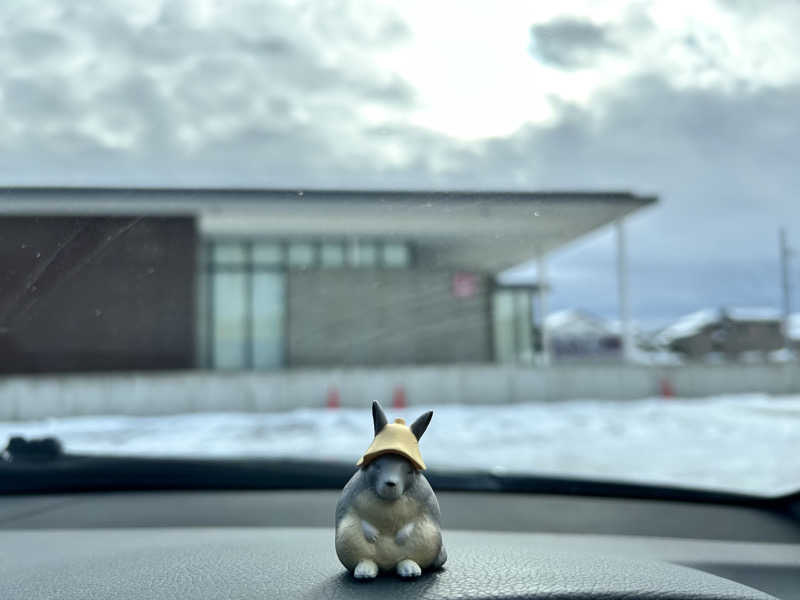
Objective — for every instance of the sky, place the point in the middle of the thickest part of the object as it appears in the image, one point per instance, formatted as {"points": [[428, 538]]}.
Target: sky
{"points": [[696, 102]]}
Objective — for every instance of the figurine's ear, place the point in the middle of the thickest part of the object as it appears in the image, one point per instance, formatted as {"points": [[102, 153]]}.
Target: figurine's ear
{"points": [[419, 426], [378, 417]]}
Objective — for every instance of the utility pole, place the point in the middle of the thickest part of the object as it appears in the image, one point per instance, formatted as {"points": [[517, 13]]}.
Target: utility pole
{"points": [[785, 287], [623, 293], [541, 276]]}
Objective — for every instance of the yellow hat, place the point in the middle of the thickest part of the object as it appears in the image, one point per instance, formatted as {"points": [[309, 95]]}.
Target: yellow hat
{"points": [[394, 438]]}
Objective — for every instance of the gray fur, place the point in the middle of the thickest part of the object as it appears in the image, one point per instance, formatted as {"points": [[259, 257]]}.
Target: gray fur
{"points": [[416, 486]]}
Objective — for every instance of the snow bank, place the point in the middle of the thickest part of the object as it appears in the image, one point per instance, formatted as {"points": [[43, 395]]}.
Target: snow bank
{"points": [[746, 443]]}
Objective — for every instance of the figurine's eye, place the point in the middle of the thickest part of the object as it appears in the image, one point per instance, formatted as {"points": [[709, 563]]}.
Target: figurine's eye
{"points": [[410, 471], [377, 466]]}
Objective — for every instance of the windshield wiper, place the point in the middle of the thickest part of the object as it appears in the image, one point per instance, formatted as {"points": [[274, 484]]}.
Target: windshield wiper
{"points": [[39, 466]]}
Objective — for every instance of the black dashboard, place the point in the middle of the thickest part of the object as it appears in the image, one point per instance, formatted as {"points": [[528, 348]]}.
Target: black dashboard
{"points": [[279, 544]]}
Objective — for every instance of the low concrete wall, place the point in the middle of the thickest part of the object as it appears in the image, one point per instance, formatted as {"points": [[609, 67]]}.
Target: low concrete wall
{"points": [[24, 398]]}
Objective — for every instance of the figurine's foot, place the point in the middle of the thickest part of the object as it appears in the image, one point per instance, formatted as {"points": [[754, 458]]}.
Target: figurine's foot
{"points": [[366, 569], [408, 568]]}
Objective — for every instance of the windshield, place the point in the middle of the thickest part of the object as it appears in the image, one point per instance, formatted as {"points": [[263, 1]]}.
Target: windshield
{"points": [[568, 229]]}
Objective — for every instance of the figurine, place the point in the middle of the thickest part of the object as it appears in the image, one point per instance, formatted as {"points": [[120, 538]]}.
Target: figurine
{"points": [[387, 517]]}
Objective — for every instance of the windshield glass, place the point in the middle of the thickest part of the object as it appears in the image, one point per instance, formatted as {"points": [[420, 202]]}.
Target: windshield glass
{"points": [[569, 229]]}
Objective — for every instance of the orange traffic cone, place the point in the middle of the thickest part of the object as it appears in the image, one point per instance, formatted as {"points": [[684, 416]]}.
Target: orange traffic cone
{"points": [[399, 397], [333, 400]]}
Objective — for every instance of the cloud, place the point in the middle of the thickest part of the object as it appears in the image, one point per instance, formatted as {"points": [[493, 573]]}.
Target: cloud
{"points": [[571, 43], [723, 165], [188, 80], [293, 95]]}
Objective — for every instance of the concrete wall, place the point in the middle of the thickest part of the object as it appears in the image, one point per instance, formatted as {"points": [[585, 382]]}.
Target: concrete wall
{"points": [[384, 317], [23, 398], [94, 294]]}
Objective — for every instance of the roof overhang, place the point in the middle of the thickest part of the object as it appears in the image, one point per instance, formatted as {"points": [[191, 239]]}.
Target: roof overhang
{"points": [[486, 230]]}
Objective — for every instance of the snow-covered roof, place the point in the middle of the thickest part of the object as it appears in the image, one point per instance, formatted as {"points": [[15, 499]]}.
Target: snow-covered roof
{"points": [[695, 322], [576, 323], [688, 325], [753, 313]]}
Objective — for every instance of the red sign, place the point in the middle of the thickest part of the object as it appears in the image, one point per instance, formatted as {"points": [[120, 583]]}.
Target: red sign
{"points": [[465, 285]]}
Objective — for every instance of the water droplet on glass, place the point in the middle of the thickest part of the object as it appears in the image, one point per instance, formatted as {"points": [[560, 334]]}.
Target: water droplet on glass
{"points": [[38, 255], [97, 312], [535, 213], [300, 193]]}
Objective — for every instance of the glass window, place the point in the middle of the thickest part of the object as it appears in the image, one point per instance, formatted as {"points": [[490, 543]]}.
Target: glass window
{"points": [[332, 255], [503, 320], [267, 254], [362, 254], [268, 320], [301, 254], [229, 253], [367, 254], [512, 316], [396, 255], [229, 320], [523, 310]]}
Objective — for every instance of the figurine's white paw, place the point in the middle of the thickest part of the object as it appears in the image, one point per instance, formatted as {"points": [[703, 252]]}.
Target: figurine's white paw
{"points": [[402, 535], [408, 568], [370, 532], [366, 569]]}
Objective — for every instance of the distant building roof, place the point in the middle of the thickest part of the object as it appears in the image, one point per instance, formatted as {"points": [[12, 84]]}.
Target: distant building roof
{"points": [[696, 322], [577, 323], [753, 314], [688, 325]]}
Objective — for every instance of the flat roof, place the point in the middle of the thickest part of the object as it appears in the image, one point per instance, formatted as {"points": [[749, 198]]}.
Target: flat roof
{"points": [[491, 230]]}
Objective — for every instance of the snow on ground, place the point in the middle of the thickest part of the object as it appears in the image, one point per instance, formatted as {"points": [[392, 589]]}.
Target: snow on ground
{"points": [[747, 443]]}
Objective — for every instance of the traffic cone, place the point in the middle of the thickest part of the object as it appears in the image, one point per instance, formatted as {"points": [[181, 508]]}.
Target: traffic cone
{"points": [[667, 391], [399, 397], [333, 399]]}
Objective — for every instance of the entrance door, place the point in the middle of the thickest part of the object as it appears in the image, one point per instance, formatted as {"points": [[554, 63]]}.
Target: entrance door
{"points": [[246, 309]]}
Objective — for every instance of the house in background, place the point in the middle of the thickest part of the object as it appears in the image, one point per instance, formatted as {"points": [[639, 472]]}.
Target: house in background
{"points": [[155, 279], [730, 333], [578, 335]]}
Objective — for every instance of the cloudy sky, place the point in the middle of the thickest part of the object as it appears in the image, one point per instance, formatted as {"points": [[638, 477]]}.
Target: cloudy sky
{"points": [[698, 102]]}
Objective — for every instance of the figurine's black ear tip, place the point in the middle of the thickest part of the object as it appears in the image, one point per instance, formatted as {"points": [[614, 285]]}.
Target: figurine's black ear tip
{"points": [[378, 416], [419, 426]]}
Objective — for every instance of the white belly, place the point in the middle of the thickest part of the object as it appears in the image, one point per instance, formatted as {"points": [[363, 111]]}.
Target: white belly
{"points": [[388, 517]]}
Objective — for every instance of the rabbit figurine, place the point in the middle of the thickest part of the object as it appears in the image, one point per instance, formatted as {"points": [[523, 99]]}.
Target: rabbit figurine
{"points": [[387, 517]]}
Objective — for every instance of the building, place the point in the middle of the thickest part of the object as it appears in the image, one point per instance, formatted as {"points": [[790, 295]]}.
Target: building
{"points": [[577, 335], [139, 279], [731, 333]]}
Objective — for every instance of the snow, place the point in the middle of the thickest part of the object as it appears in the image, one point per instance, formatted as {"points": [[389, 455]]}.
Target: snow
{"points": [[794, 326], [783, 355], [753, 314], [576, 323], [688, 325], [745, 443]]}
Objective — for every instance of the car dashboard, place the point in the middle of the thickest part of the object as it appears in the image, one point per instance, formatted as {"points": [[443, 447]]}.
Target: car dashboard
{"points": [[279, 544]]}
